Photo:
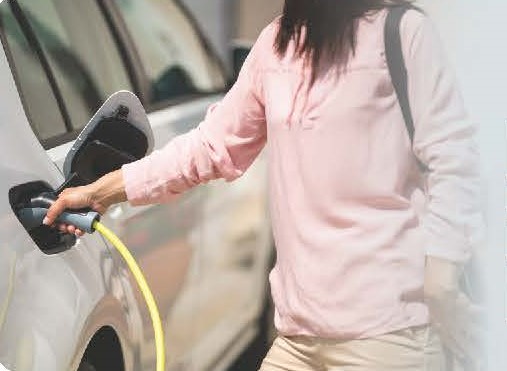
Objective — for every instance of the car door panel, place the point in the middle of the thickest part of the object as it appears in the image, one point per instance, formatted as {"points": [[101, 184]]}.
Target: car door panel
{"points": [[233, 255], [45, 298], [51, 305], [179, 119]]}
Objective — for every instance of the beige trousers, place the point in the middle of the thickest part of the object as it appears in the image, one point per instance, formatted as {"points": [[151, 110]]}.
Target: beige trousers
{"points": [[413, 349]]}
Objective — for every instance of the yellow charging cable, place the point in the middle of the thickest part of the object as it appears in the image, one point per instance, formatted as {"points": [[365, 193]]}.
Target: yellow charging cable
{"points": [[143, 286]]}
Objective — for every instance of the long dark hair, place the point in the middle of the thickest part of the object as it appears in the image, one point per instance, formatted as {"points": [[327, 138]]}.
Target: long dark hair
{"points": [[330, 28]]}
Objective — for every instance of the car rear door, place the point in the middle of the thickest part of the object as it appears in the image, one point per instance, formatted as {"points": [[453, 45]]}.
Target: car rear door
{"points": [[179, 82], [181, 79]]}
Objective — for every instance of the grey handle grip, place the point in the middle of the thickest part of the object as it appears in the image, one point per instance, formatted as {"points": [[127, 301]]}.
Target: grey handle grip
{"points": [[33, 217]]}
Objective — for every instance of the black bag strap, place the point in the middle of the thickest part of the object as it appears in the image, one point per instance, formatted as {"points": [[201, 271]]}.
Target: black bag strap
{"points": [[396, 63]]}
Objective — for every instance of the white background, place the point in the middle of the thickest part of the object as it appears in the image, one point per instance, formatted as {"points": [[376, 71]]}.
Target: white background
{"points": [[475, 34]]}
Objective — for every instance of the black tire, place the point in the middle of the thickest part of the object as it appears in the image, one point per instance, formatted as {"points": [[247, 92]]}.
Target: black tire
{"points": [[85, 366], [251, 359]]}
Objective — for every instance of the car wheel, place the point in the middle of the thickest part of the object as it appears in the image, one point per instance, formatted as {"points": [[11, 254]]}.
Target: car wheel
{"points": [[251, 359], [85, 366]]}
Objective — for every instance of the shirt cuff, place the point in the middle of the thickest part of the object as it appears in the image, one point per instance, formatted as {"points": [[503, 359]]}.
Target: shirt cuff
{"points": [[135, 184]]}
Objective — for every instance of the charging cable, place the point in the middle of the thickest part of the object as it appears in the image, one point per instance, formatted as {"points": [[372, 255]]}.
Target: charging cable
{"points": [[143, 286]]}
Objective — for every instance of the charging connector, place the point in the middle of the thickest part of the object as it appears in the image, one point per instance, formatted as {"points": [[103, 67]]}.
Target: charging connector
{"points": [[32, 215]]}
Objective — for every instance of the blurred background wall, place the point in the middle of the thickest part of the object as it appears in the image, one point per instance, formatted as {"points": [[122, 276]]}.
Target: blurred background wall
{"points": [[252, 16], [474, 37]]}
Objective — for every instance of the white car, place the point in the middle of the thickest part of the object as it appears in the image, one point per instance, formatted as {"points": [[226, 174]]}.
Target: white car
{"points": [[71, 304]]}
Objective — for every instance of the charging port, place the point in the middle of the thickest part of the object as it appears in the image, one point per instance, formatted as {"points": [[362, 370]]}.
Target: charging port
{"points": [[49, 240]]}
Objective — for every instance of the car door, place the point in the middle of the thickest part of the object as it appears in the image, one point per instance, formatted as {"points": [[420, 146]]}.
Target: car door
{"points": [[182, 78], [45, 296], [86, 64]]}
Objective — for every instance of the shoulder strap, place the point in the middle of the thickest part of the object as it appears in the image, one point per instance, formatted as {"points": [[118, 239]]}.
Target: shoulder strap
{"points": [[396, 62]]}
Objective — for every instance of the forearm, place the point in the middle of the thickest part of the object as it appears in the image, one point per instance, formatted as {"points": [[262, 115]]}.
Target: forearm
{"points": [[223, 146]]}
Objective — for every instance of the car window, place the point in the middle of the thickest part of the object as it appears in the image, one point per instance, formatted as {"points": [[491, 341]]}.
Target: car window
{"points": [[172, 54], [81, 50], [40, 103], [83, 60]]}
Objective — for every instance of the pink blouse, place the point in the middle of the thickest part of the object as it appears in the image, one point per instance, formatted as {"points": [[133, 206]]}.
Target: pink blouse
{"points": [[351, 221]]}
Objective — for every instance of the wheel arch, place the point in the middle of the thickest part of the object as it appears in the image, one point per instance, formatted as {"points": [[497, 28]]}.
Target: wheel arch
{"points": [[108, 331]]}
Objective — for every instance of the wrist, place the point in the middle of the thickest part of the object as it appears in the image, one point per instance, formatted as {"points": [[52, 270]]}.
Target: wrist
{"points": [[109, 189]]}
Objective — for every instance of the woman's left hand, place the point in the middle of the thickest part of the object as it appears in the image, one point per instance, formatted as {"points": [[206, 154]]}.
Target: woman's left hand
{"points": [[453, 315]]}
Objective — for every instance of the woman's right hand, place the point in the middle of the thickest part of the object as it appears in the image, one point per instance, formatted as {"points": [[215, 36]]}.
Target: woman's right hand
{"points": [[98, 196]]}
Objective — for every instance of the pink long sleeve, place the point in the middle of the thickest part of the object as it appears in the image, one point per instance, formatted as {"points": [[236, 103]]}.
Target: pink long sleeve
{"points": [[352, 220], [445, 140], [224, 145]]}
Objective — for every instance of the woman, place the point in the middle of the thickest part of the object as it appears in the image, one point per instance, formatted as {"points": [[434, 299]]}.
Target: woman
{"points": [[353, 237]]}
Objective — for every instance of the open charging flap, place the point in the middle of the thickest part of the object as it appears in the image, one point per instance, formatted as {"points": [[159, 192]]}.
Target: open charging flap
{"points": [[119, 133]]}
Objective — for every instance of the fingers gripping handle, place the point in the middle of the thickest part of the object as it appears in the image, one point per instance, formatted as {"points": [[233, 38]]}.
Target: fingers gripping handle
{"points": [[32, 217], [81, 219]]}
